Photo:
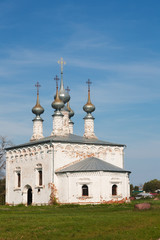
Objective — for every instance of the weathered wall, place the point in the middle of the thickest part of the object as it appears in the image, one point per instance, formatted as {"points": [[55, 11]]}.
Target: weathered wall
{"points": [[55, 156], [99, 184], [65, 153], [26, 161]]}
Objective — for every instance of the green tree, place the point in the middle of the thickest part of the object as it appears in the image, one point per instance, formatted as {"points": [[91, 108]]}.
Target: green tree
{"points": [[2, 191], [136, 188], [131, 189], [151, 186]]}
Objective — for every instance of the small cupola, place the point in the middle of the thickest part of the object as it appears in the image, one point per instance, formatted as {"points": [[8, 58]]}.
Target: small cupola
{"points": [[37, 121], [57, 104], [89, 119]]}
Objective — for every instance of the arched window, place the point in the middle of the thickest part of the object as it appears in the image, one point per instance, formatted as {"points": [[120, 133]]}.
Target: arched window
{"points": [[19, 179], [40, 177], [84, 190], [114, 189]]}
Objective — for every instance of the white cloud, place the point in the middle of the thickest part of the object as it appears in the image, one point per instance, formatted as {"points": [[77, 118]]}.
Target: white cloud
{"points": [[21, 57]]}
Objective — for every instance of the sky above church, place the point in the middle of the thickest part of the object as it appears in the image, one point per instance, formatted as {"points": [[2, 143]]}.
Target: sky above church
{"points": [[114, 43]]}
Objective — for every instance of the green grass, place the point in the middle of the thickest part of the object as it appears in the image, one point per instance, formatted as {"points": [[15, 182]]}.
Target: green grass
{"points": [[118, 221]]}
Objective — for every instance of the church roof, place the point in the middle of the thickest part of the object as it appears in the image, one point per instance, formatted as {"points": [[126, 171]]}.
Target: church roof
{"points": [[70, 138], [92, 164]]}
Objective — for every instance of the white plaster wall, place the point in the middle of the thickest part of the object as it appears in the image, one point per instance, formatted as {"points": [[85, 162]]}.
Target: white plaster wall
{"points": [[56, 157], [26, 159], [57, 125], [37, 129], [89, 128], [65, 154], [99, 183]]}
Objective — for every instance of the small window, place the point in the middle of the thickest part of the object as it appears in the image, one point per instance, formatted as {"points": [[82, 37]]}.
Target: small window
{"points": [[84, 190], [19, 179], [40, 177], [114, 189]]}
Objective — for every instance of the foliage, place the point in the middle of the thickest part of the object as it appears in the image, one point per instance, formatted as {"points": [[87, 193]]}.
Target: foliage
{"points": [[151, 186], [2, 191], [136, 188], [4, 142], [53, 198], [131, 189], [91, 222]]}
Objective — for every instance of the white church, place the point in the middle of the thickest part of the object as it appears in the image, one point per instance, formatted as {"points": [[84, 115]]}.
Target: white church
{"points": [[64, 167]]}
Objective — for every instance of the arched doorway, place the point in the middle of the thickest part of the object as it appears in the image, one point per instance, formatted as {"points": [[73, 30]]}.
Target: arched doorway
{"points": [[29, 196]]}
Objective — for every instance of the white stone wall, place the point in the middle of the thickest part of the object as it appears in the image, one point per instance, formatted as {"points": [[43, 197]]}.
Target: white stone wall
{"points": [[89, 128], [66, 153], [57, 125], [25, 160], [65, 122], [99, 186], [37, 129], [52, 157]]}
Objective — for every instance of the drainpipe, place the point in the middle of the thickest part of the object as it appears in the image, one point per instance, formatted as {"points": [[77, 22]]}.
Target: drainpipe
{"points": [[52, 177]]}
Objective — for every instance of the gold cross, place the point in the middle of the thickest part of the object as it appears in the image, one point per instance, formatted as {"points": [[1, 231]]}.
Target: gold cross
{"points": [[62, 63]]}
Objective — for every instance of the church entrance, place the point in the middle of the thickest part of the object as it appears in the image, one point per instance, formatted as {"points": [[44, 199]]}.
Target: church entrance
{"points": [[29, 196]]}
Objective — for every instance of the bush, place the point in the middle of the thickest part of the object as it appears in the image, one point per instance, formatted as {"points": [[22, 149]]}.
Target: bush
{"points": [[2, 191]]}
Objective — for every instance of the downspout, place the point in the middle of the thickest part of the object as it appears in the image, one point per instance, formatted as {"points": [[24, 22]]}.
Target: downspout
{"points": [[52, 163]]}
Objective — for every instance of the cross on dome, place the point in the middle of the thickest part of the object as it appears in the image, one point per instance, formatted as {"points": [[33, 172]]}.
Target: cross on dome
{"points": [[56, 79], [37, 85], [89, 83], [62, 62], [68, 89]]}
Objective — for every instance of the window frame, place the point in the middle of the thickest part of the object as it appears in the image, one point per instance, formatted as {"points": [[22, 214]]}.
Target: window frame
{"points": [[114, 190], [85, 188], [40, 177]]}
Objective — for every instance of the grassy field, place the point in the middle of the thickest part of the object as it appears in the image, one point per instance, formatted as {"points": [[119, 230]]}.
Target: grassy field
{"points": [[80, 222]]}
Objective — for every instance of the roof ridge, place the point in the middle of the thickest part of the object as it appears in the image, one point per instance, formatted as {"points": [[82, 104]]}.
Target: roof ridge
{"points": [[91, 164]]}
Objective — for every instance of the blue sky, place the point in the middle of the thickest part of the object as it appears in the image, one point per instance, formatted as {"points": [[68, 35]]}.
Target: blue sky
{"points": [[114, 43]]}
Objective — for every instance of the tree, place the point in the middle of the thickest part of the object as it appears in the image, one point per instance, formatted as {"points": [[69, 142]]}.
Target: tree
{"points": [[151, 186], [4, 142], [131, 189], [2, 191], [136, 188]]}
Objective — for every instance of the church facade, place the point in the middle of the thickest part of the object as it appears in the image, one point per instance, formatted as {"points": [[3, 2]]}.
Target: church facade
{"points": [[65, 167]]}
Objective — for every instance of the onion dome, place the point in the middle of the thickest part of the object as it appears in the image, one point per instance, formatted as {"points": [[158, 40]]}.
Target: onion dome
{"points": [[57, 103], [89, 107], [63, 95], [37, 109], [71, 112]]}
